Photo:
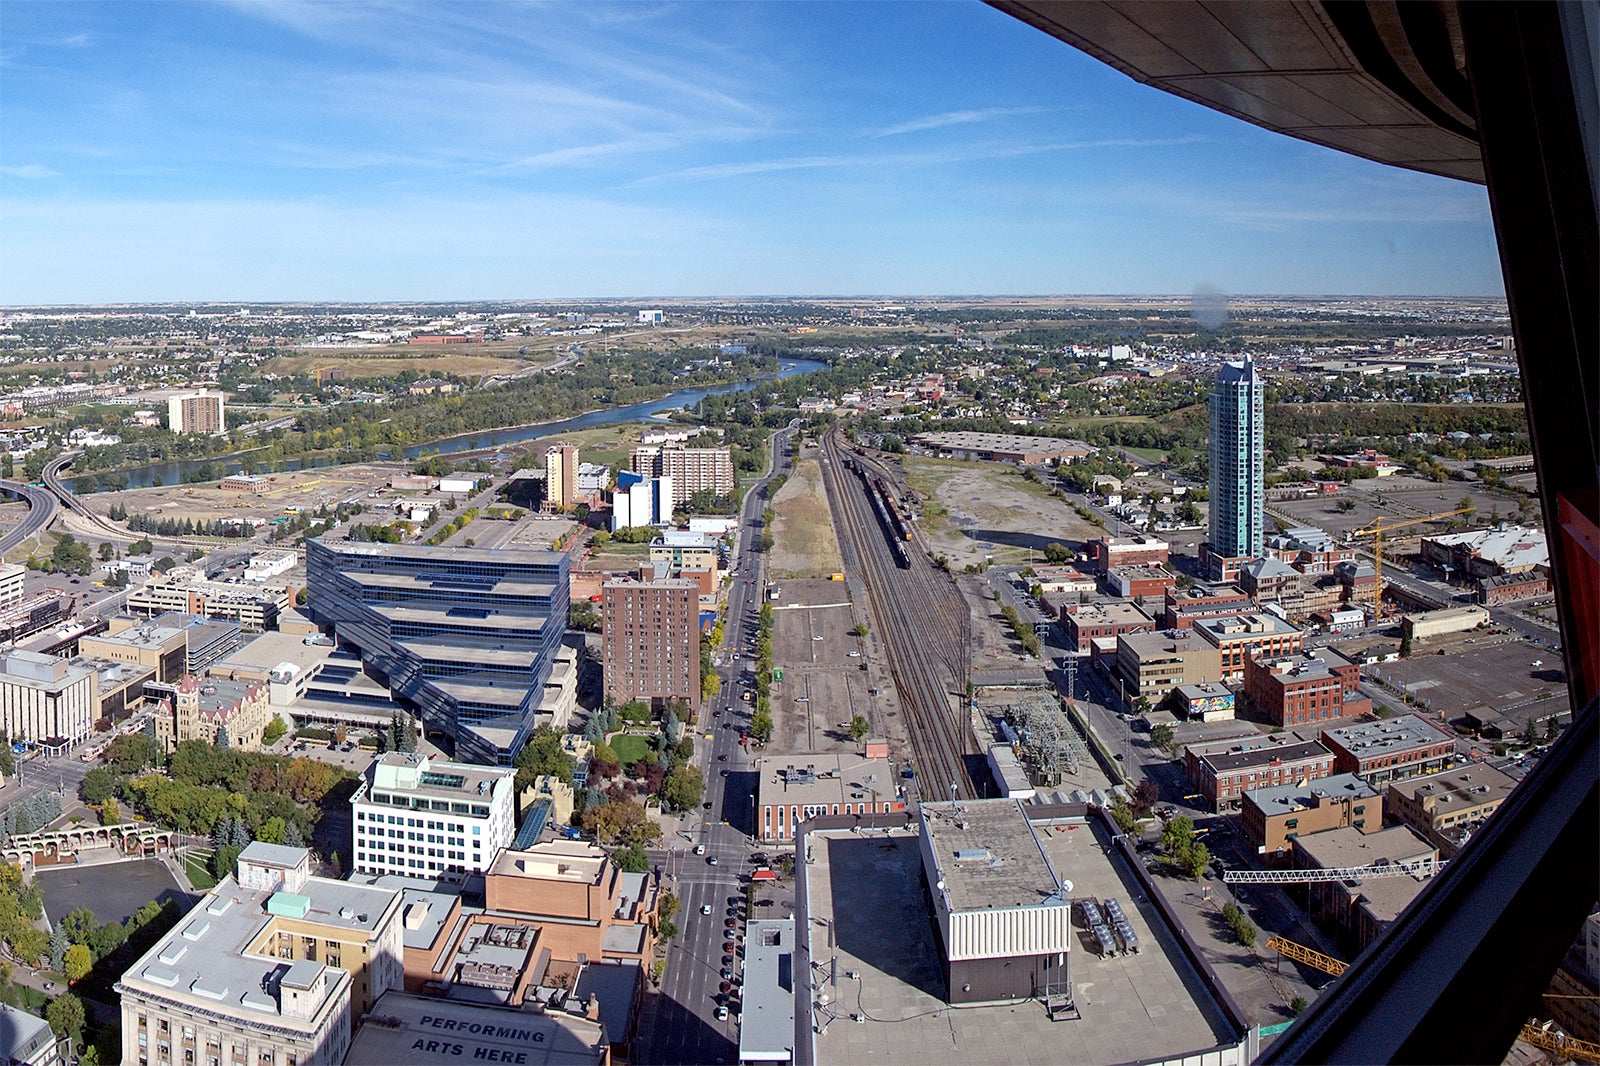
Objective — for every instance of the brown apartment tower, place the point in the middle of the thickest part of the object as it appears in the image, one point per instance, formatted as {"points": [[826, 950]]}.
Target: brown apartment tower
{"points": [[651, 640], [691, 469], [561, 477]]}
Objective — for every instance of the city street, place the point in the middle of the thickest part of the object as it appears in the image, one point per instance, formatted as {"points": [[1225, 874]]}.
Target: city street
{"points": [[679, 1022]]}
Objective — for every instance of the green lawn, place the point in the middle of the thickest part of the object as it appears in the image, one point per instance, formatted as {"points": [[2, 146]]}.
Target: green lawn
{"points": [[194, 867], [630, 749]]}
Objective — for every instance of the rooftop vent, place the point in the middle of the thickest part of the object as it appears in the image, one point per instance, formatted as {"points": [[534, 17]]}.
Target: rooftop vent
{"points": [[971, 854]]}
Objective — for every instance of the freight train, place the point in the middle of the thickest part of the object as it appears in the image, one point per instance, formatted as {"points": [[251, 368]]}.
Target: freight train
{"points": [[884, 505]]}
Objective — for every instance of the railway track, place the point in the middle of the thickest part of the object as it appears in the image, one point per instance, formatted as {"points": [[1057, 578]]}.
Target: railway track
{"points": [[924, 628]]}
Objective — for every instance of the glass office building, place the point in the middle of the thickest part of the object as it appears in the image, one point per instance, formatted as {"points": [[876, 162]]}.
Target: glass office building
{"points": [[1236, 462], [465, 637]]}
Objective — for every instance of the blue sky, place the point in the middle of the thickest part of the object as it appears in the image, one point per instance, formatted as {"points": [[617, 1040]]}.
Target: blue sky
{"points": [[334, 151]]}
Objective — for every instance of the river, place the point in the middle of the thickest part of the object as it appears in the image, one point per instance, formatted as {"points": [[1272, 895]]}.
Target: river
{"points": [[140, 477]]}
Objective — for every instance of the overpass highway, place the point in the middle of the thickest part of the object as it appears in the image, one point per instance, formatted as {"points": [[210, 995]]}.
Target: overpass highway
{"points": [[41, 512]]}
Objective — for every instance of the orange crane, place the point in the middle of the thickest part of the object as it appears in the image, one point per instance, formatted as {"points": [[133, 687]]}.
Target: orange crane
{"points": [[1552, 1040], [1377, 530]]}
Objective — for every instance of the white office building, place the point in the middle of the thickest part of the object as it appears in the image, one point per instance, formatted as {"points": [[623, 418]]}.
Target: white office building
{"points": [[422, 817], [43, 698], [11, 583]]}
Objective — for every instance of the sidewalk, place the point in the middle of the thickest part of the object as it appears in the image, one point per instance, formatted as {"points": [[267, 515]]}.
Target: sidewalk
{"points": [[1250, 975]]}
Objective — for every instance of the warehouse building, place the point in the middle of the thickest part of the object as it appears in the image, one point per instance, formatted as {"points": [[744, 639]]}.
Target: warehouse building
{"points": [[407, 1028], [1153, 664], [1446, 808], [1003, 911], [1004, 447], [1223, 771]]}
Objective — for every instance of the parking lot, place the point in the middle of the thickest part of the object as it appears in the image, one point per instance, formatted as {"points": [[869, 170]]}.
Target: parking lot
{"points": [[823, 683]]}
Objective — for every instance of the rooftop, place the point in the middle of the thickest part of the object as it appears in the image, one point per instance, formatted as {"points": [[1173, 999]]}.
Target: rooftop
{"points": [[570, 861], [207, 958], [1368, 739], [405, 1028], [766, 1019], [1282, 799], [1116, 612], [817, 779], [1510, 547], [418, 775], [1004, 442], [1134, 1008], [1242, 758], [1347, 846], [424, 905], [987, 856], [1250, 626], [1459, 788]]}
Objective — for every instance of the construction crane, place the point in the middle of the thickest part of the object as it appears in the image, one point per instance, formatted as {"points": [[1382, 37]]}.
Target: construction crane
{"points": [[1377, 530], [1419, 868], [1571, 1047]]}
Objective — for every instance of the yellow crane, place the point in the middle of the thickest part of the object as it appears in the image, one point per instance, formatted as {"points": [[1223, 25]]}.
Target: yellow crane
{"points": [[1377, 530], [1552, 1040]]}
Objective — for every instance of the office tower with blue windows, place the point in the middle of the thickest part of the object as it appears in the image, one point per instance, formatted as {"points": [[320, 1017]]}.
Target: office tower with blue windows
{"points": [[1236, 463], [464, 637]]}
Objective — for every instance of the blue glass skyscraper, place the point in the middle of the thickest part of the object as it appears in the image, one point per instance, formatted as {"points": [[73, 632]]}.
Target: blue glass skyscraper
{"points": [[1236, 462], [465, 636]]}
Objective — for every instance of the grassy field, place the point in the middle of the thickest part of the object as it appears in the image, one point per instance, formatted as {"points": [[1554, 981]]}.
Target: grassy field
{"points": [[387, 362], [629, 748], [194, 868], [804, 540]]}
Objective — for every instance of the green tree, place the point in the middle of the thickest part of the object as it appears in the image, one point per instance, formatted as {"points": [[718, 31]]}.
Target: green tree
{"points": [[543, 755], [581, 614], [859, 727], [1162, 736], [274, 731], [1123, 815], [65, 1014], [77, 963], [302, 597], [683, 789], [631, 859], [761, 726]]}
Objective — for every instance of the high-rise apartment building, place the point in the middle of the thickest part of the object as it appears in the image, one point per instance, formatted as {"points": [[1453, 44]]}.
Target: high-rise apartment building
{"points": [[422, 817], [1236, 463], [692, 469], [561, 477], [641, 501], [196, 412], [467, 637], [651, 639]]}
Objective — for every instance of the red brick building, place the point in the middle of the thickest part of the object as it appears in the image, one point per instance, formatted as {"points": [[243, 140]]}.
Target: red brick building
{"points": [[1296, 690], [1135, 582], [1184, 607], [1106, 553], [651, 648], [1241, 638], [1223, 772], [1391, 749], [1089, 621]]}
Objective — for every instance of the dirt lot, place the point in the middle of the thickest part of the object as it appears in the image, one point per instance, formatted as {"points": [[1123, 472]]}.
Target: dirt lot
{"points": [[1402, 498], [805, 544], [309, 490], [977, 509], [823, 684]]}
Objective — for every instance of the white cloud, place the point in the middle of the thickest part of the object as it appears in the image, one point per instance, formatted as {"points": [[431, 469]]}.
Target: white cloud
{"points": [[955, 118], [29, 172]]}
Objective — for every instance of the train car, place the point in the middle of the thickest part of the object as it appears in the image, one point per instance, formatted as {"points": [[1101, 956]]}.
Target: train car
{"points": [[889, 520]]}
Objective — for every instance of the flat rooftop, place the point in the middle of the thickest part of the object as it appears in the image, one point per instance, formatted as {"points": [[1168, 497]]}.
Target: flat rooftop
{"points": [[1282, 799], [205, 960], [1347, 847], [1119, 612], [986, 855], [818, 779], [1004, 442], [766, 1016], [419, 775], [1250, 626], [1459, 788], [268, 650], [1227, 761], [1367, 740], [405, 1028], [1133, 1008]]}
